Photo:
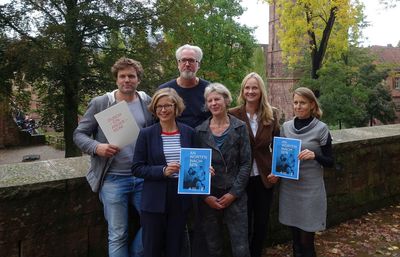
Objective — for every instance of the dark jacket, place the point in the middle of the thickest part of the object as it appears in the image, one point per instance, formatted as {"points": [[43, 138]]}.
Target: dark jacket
{"points": [[261, 142], [233, 161], [148, 163]]}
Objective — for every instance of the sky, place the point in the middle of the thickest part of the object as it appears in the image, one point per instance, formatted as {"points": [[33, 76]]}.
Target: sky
{"points": [[383, 29]]}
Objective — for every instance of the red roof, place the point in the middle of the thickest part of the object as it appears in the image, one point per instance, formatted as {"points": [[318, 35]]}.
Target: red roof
{"points": [[386, 54]]}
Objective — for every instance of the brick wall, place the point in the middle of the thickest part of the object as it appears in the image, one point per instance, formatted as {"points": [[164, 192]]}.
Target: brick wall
{"points": [[9, 134], [47, 208]]}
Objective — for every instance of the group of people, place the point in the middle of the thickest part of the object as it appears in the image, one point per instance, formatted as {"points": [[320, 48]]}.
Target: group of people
{"points": [[191, 112]]}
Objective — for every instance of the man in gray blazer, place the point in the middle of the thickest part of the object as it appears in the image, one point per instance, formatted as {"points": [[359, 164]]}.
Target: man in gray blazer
{"points": [[110, 171]]}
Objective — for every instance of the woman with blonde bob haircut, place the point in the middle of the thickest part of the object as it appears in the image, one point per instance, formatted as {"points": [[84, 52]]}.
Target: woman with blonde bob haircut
{"points": [[156, 159], [262, 124], [172, 95]]}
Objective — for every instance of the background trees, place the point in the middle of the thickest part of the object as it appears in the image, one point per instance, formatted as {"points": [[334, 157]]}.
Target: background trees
{"points": [[353, 90], [320, 29], [65, 48]]}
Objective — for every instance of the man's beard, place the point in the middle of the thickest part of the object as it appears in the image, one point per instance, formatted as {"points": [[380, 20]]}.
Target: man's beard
{"points": [[188, 74]]}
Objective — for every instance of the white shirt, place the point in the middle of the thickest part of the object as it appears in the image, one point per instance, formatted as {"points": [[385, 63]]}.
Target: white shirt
{"points": [[254, 127]]}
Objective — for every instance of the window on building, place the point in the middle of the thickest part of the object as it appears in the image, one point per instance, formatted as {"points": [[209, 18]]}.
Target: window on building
{"points": [[397, 83]]}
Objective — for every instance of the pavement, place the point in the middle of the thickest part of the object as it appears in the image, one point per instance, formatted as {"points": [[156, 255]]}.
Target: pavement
{"points": [[17, 154]]}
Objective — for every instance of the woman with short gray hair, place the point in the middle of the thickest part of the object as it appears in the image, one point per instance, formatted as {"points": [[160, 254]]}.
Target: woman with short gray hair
{"points": [[231, 158]]}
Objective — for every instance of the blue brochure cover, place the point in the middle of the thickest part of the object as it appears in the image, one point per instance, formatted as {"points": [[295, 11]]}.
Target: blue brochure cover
{"points": [[285, 163], [194, 174]]}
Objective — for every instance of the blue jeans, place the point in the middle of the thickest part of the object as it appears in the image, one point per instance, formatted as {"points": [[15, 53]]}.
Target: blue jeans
{"points": [[117, 194]]}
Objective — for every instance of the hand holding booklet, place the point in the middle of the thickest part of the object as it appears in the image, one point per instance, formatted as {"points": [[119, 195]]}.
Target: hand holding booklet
{"points": [[118, 124], [285, 162], [194, 174]]}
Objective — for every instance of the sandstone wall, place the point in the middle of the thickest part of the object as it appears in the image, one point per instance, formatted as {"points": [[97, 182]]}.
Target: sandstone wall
{"points": [[47, 208]]}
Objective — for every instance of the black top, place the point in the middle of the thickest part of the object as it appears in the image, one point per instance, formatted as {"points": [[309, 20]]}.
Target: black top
{"points": [[194, 113]]}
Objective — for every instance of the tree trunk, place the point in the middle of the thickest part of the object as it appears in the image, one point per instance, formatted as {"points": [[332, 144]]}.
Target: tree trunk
{"points": [[318, 53], [72, 78]]}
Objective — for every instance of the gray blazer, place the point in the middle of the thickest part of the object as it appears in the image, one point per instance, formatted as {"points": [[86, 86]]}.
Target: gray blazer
{"points": [[232, 162], [88, 135]]}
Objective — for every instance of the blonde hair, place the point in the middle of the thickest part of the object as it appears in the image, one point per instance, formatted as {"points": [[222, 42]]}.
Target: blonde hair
{"points": [[310, 96], [172, 95], [265, 110], [219, 89]]}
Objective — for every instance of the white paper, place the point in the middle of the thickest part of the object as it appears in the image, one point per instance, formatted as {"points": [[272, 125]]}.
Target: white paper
{"points": [[118, 124]]}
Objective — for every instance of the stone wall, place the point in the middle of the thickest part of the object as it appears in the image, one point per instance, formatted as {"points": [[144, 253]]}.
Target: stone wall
{"points": [[366, 175], [8, 129], [10, 134], [47, 208]]}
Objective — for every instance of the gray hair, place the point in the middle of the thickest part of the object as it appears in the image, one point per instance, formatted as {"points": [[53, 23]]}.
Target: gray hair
{"points": [[219, 89], [196, 49]]}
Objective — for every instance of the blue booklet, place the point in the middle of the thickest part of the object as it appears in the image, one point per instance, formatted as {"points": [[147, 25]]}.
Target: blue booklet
{"points": [[285, 162], [194, 174]]}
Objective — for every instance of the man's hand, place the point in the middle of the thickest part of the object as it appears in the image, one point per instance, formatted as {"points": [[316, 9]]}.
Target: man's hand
{"points": [[106, 150]]}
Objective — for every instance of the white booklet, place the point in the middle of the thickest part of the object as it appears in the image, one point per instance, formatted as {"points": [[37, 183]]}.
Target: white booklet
{"points": [[118, 124]]}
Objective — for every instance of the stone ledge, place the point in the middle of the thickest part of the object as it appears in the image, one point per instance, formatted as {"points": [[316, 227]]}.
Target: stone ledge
{"points": [[43, 171], [61, 169], [365, 133]]}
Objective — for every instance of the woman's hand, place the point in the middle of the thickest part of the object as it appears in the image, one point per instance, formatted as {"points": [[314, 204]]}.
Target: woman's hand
{"points": [[306, 155], [171, 168], [212, 201], [226, 200], [212, 171], [272, 179]]}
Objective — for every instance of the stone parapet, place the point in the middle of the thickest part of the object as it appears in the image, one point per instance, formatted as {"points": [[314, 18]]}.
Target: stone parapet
{"points": [[47, 208], [366, 175]]}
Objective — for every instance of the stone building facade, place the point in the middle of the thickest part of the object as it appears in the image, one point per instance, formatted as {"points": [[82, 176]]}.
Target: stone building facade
{"points": [[390, 55], [9, 133], [280, 80]]}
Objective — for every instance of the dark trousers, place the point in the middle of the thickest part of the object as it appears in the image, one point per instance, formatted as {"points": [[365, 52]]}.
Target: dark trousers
{"points": [[259, 201], [235, 218], [163, 232]]}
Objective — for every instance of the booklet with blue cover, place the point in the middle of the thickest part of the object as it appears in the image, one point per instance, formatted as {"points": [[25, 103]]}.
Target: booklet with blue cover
{"points": [[285, 162], [194, 174]]}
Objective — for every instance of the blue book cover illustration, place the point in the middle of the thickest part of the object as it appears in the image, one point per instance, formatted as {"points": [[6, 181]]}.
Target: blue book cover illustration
{"points": [[194, 174], [285, 163]]}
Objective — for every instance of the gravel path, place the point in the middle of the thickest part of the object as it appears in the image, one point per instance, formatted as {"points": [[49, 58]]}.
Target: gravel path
{"points": [[16, 154]]}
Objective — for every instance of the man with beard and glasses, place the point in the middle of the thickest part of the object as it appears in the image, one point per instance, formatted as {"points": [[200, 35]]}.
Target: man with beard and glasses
{"points": [[189, 86], [191, 89]]}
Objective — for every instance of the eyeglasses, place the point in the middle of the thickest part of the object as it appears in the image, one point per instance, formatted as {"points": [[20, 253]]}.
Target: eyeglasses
{"points": [[190, 61], [167, 107]]}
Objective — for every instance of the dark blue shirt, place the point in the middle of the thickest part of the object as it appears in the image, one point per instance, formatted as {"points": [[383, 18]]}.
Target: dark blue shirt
{"points": [[194, 113]]}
